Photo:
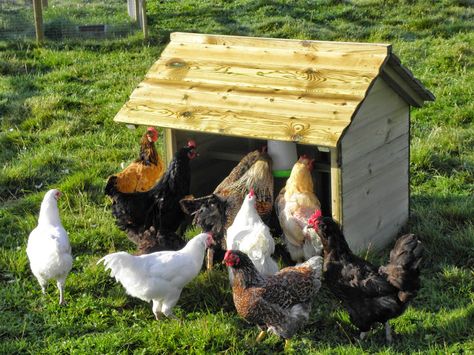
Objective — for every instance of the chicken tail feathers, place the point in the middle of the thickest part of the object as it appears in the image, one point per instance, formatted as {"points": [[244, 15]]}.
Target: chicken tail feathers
{"points": [[122, 266], [403, 270]]}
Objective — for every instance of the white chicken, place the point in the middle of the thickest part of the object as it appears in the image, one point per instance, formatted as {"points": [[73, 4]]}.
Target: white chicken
{"points": [[294, 205], [250, 235], [161, 276], [48, 249]]}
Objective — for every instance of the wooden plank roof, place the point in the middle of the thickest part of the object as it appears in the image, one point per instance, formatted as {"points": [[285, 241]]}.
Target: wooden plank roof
{"points": [[293, 90]]}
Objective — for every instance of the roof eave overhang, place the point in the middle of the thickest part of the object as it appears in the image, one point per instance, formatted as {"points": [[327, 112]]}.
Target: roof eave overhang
{"points": [[402, 81]]}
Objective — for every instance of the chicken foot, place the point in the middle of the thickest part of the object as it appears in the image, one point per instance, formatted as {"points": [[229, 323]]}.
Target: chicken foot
{"points": [[261, 336]]}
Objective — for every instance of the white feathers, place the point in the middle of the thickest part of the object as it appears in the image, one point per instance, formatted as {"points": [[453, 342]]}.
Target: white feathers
{"points": [[48, 249], [312, 245], [158, 276], [250, 235], [316, 263]]}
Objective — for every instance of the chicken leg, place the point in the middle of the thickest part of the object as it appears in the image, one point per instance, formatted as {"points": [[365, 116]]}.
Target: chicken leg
{"points": [[43, 283], [156, 308], [60, 284], [388, 333]]}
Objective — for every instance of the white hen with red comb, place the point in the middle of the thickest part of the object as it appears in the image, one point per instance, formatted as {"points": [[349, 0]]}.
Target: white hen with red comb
{"points": [[250, 235], [48, 249]]}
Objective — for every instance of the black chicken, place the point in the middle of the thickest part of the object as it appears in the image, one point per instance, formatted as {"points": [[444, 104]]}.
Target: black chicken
{"points": [[370, 294], [159, 207]]}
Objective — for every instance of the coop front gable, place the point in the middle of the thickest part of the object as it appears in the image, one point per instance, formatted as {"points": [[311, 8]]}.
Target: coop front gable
{"points": [[375, 169]]}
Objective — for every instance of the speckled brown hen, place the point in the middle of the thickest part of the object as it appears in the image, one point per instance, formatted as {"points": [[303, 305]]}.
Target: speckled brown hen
{"points": [[279, 303]]}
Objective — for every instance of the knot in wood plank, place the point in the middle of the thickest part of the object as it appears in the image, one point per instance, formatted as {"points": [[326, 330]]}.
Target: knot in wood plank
{"points": [[185, 114], [176, 63], [311, 74], [297, 130]]}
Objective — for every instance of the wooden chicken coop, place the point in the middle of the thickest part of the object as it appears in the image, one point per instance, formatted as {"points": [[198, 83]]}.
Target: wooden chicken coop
{"points": [[345, 104]]}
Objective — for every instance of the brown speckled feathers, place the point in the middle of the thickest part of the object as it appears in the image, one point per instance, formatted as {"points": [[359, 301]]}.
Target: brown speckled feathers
{"points": [[280, 302]]}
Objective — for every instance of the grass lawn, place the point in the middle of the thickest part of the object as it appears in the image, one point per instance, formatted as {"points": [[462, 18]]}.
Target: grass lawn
{"points": [[57, 103]]}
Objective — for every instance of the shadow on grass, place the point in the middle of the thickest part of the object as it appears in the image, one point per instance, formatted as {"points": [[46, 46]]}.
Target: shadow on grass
{"points": [[326, 20], [445, 226]]}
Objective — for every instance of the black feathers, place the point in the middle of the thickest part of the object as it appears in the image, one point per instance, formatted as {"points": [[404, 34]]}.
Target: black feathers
{"points": [[368, 293], [159, 207]]}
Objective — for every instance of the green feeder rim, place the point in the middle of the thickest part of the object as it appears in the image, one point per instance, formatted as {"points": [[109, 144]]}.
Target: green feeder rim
{"points": [[281, 173]]}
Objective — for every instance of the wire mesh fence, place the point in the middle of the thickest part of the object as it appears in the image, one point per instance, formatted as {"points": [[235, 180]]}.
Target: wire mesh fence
{"points": [[69, 19]]}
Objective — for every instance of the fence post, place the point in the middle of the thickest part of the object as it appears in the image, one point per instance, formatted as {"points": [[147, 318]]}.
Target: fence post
{"points": [[143, 17], [137, 10], [38, 11]]}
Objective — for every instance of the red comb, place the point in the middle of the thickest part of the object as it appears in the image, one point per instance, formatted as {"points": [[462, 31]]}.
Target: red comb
{"points": [[192, 143], [251, 193], [314, 219], [154, 133]]}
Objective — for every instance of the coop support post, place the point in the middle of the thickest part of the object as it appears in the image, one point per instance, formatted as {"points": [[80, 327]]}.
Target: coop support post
{"points": [[170, 145], [143, 18], [336, 186], [45, 3], [38, 12]]}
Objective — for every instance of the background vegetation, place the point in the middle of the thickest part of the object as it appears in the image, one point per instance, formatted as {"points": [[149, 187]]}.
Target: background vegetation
{"points": [[57, 103]]}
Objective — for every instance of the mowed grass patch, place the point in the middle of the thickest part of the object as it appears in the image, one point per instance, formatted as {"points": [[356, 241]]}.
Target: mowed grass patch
{"points": [[57, 104]]}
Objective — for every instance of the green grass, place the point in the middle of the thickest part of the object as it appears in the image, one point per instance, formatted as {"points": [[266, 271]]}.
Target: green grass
{"points": [[57, 104]]}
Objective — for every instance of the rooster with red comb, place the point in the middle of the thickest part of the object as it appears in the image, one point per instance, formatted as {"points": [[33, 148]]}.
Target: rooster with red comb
{"points": [[151, 218], [143, 172]]}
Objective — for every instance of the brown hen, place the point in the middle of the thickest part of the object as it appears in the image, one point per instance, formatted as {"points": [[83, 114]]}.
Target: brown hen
{"points": [[143, 173], [254, 171], [279, 303]]}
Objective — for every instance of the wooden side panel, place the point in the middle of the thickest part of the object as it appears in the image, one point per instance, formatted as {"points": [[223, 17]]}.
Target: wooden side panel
{"points": [[375, 170]]}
